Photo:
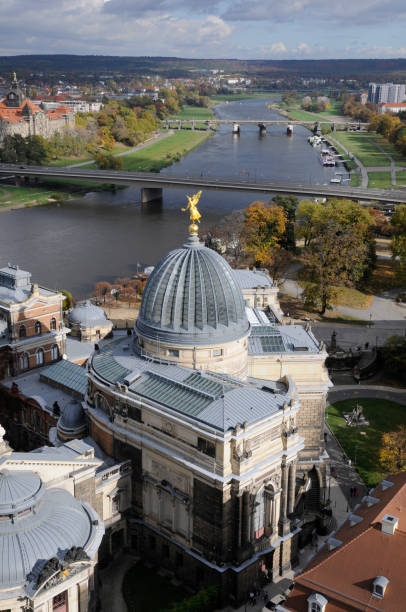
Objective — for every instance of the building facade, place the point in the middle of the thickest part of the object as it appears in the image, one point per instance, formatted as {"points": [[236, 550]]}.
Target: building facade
{"points": [[32, 333], [21, 116]]}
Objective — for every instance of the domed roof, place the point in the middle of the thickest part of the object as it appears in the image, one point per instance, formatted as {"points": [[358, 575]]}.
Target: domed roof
{"points": [[88, 315], [19, 491], [192, 298], [30, 539], [73, 420]]}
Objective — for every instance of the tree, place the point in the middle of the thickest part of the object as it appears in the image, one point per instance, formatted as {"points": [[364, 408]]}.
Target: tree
{"points": [[306, 216], [338, 257], [264, 228], [399, 240], [289, 205], [278, 264], [394, 357], [107, 161], [101, 289], [392, 454], [68, 300]]}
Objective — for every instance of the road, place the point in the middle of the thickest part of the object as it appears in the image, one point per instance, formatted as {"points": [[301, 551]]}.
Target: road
{"points": [[154, 180]]}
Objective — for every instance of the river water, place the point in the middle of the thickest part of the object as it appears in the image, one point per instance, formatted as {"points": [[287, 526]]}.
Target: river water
{"points": [[102, 236]]}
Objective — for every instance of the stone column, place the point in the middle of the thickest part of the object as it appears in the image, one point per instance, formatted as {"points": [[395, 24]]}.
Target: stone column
{"points": [[284, 526], [292, 487], [246, 522], [239, 533]]}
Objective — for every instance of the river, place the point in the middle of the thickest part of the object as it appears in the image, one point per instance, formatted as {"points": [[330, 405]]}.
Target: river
{"points": [[102, 235]]}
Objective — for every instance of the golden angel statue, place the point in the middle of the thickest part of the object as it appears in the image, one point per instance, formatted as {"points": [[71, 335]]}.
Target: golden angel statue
{"points": [[14, 77], [193, 212]]}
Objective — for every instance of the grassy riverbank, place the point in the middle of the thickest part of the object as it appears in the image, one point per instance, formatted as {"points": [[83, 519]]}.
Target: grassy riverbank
{"points": [[164, 152], [218, 98], [24, 197], [363, 146], [194, 112]]}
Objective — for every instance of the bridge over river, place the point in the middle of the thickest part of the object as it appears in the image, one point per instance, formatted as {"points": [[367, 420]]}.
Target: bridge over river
{"points": [[152, 184], [261, 123]]}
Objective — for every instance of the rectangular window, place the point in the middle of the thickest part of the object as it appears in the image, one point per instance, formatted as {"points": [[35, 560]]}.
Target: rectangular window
{"points": [[134, 413], [173, 353], [206, 447], [59, 602], [115, 504], [217, 352]]}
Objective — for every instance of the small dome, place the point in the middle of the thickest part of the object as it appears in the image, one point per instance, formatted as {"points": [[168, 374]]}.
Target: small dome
{"points": [[88, 315], [192, 298], [72, 422], [19, 491]]}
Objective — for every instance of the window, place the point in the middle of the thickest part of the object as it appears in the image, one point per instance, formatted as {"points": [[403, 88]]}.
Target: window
{"points": [[115, 504], [59, 601], [206, 447], [54, 352], [38, 328], [52, 324], [173, 353], [379, 585], [22, 332], [217, 352], [24, 361], [39, 357], [259, 515], [134, 413], [315, 607]]}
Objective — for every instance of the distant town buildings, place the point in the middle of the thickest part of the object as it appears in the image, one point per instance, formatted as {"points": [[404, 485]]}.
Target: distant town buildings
{"points": [[18, 115], [391, 107], [379, 93]]}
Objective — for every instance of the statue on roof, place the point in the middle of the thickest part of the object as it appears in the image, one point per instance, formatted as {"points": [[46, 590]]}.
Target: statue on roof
{"points": [[193, 212], [15, 78]]}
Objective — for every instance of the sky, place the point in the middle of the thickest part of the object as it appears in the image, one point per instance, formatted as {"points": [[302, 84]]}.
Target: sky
{"points": [[244, 29]]}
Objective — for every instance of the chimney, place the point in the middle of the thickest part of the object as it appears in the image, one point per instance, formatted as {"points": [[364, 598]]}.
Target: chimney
{"points": [[389, 524]]}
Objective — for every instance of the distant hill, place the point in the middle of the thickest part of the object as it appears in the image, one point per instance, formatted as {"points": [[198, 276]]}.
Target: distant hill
{"points": [[182, 67]]}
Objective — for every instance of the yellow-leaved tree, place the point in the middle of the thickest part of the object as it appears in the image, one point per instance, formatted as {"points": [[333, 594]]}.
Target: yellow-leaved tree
{"points": [[392, 454], [264, 228]]}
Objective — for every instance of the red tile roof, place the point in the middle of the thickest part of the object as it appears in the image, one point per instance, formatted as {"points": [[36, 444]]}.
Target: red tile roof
{"points": [[345, 575]]}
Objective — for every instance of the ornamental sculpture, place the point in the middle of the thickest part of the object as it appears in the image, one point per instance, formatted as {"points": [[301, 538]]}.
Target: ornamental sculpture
{"points": [[193, 212]]}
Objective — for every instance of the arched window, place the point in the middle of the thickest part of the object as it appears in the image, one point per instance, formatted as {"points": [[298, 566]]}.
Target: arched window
{"points": [[54, 352], [52, 324], [39, 357], [24, 361], [102, 403], [316, 603], [38, 328], [22, 332], [259, 514]]}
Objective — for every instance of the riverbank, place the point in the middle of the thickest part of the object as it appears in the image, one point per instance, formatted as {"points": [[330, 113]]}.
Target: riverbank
{"points": [[160, 153], [12, 197]]}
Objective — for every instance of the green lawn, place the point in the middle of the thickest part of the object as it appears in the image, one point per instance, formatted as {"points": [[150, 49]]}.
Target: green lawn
{"points": [[23, 196], [145, 591], [355, 180], [194, 112], [381, 180], [301, 115], [335, 109], [163, 153], [401, 177], [390, 149], [363, 147], [67, 161], [383, 416]]}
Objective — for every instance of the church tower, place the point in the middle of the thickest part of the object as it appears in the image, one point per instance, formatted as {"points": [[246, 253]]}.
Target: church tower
{"points": [[15, 96]]}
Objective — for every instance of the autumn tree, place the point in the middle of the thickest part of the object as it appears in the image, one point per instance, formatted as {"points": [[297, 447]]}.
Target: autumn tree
{"points": [[264, 228], [289, 205], [101, 289], [339, 248], [399, 239], [107, 161], [392, 454]]}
